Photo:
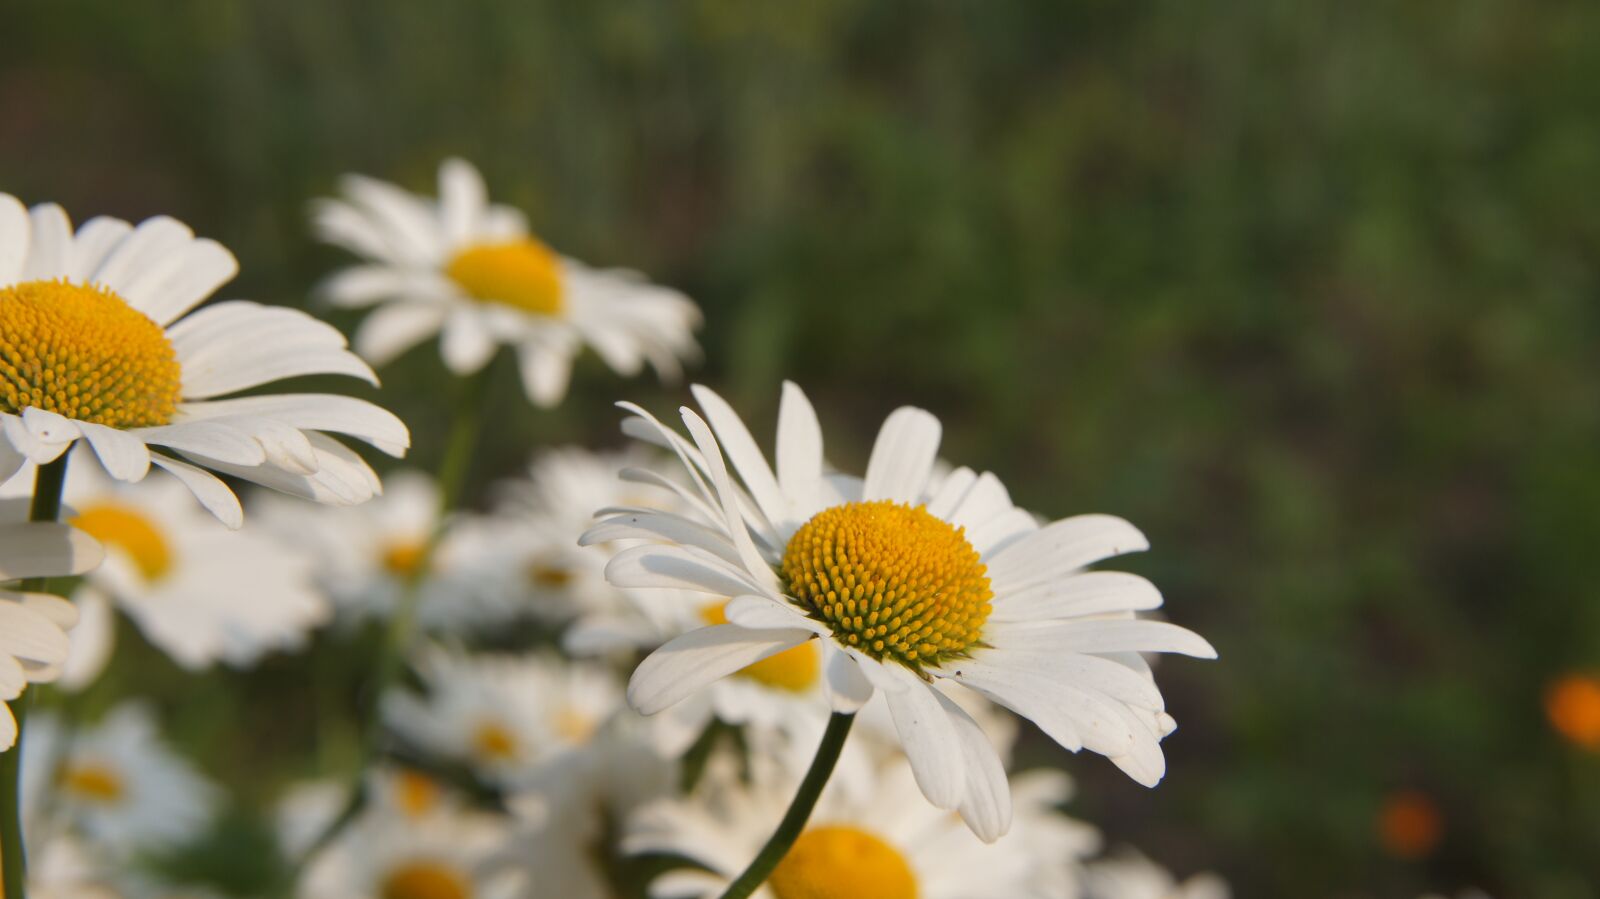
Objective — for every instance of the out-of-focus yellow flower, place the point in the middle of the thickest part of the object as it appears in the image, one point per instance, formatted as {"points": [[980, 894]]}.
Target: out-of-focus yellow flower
{"points": [[1572, 703]]}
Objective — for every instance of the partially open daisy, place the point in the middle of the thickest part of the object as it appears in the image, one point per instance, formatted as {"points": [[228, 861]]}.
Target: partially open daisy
{"points": [[469, 269], [199, 591], [99, 344], [909, 583], [117, 781], [33, 640]]}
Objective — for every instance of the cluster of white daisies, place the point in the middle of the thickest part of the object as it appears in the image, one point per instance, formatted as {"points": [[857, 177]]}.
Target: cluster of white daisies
{"points": [[705, 617]]}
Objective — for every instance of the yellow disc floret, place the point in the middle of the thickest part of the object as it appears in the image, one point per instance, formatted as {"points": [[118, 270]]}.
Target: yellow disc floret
{"points": [[795, 669], [891, 580], [83, 352], [425, 879], [128, 529], [833, 862], [494, 742], [524, 274], [92, 781]]}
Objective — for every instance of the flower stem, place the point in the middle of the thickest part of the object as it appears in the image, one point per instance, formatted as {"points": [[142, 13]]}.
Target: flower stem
{"points": [[451, 476], [47, 486], [794, 820]]}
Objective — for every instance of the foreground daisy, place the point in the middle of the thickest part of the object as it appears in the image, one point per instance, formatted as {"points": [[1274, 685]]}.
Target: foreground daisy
{"points": [[116, 782], [33, 640], [101, 346], [909, 584], [469, 269], [879, 843], [199, 591]]}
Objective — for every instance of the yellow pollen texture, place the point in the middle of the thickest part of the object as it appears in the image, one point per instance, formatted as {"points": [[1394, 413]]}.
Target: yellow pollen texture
{"points": [[795, 669], [403, 558], [494, 742], [131, 531], [92, 781], [524, 274], [83, 352], [842, 863], [891, 580], [425, 880]]}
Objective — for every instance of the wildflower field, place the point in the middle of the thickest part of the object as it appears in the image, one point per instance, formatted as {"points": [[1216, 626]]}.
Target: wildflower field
{"points": [[850, 450]]}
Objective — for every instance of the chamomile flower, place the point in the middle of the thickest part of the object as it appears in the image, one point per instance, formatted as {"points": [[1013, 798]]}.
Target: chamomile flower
{"points": [[116, 782], [199, 591], [33, 640], [141, 370], [469, 269], [1132, 876], [307, 809], [449, 853], [877, 843], [364, 555], [505, 717], [908, 585]]}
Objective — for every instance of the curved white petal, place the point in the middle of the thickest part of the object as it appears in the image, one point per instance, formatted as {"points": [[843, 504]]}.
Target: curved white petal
{"points": [[152, 245], [392, 329], [927, 734], [212, 493], [94, 241], [463, 198], [1078, 595], [799, 447], [199, 269], [46, 549], [902, 456], [50, 248], [545, 371], [689, 662], [986, 807], [16, 235], [742, 451], [1061, 548], [316, 412], [123, 454], [467, 344], [848, 688], [677, 567]]}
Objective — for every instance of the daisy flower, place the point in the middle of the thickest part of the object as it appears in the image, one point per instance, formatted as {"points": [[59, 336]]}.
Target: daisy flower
{"points": [[101, 345], [306, 810], [908, 584], [469, 270], [448, 853], [199, 591], [116, 782], [880, 843], [33, 640], [1132, 876], [503, 716]]}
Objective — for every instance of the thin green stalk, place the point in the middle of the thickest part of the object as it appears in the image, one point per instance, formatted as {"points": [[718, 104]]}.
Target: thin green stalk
{"points": [[47, 485], [451, 476], [794, 820]]}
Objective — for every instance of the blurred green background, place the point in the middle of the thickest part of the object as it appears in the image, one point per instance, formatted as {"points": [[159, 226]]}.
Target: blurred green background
{"points": [[1306, 290]]}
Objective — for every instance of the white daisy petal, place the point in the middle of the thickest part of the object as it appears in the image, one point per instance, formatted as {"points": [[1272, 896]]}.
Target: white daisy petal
{"points": [[232, 346], [754, 564], [463, 199], [985, 499], [1128, 635], [15, 238], [216, 439], [1060, 548], [467, 345], [344, 225], [686, 663], [902, 456], [123, 454], [388, 332], [766, 613], [735, 440], [212, 493], [545, 371], [200, 268], [50, 246], [360, 286], [927, 733], [678, 568], [316, 412], [848, 688], [95, 240], [643, 525], [799, 445], [41, 435], [46, 550], [986, 807], [150, 245], [950, 493], [1089, 593], [398, 215]]}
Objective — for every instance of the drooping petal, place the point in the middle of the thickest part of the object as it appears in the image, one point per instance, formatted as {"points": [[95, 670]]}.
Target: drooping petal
{"points": [[212, 493], [689, 662], [927, 733]]}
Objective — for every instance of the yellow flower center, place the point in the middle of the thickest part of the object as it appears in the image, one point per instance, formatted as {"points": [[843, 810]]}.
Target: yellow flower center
{"points": [[415, 793], [131, 531], [795, 669], [403, 558], [83, 352], [891, 580], [523, 274], [549, 576], [93, 781], [574, 726], [494, 742], [425, 879], [842, 863]]}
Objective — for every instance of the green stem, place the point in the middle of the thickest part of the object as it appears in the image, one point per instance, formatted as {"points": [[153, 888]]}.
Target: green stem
{"points": [[47, 486], [794, 820], [451, 477]]}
